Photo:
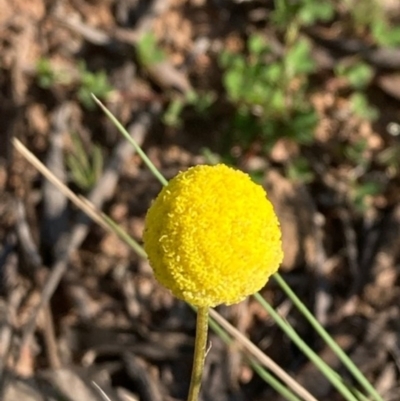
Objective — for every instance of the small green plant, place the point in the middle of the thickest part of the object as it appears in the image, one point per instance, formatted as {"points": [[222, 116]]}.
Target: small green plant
{"points": [[88, 82], [386, 34], [357, 73], [361, 107], [199, 101], [302, 12], [85, 166], [95, 83], [369, 17], [358, 76], [270, 93], [150, 54], [172, 114], [47, 76], [148, 50]]}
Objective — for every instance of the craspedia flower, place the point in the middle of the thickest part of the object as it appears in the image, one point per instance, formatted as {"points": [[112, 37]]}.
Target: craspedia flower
{"points": [[212, 236]]}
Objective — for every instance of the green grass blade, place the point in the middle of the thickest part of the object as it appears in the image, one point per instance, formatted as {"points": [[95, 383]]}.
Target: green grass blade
{"points": [[124, 236], [138, 149], [269, 378], [353, 369], [328, 372], [273, 381]]}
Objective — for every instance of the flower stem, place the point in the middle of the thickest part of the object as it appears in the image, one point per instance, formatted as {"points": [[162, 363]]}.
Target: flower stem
{"points": [[199, 353]]}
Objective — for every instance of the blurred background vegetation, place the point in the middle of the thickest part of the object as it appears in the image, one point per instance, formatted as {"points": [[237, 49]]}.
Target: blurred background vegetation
{"points": [[304, 95]]}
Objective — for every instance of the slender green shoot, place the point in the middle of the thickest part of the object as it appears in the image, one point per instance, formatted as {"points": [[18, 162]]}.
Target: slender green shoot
{"points": [[328, 372], [344, 358], [124, 236], [135, 145], [273, 381]]}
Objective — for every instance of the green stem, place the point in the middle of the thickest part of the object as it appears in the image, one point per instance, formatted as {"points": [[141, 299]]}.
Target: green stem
{"points": [[199, 353], [281, 388]]}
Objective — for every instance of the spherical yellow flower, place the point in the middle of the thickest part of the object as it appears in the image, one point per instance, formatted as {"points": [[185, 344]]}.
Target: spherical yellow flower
{"points": [[212, 236]]}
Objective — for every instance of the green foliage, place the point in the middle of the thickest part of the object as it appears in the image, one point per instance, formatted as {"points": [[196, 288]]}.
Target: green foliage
{"points": [[386, 34], [361, 107], [95, 83], [368, 16], [172, 115], [305, 12], [85, 167], [362, 192], [199, 101], [270, 97], [269, 90], [298, 59], [357, 73], [87, 82], [363, 15], [47, 76], [148, 50]]}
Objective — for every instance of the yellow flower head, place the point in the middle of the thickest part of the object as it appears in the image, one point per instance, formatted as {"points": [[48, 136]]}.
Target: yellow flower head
{"points": [[212, 236]]}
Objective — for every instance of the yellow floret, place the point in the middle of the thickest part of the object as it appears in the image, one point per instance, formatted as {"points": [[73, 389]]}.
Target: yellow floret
{"points": [[212, 236]]}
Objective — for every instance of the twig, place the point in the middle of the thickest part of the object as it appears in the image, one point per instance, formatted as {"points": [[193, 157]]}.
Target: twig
{"points": [[9, 303], [92, 35], [352, 257], [147, 386], [101, 193], [102, 393], [118, 36], [164, 73], [260, 356], [382, 57], [323, 298], [32, 255], [342, 200], [25, 239], [55, 205], [156, 8]]}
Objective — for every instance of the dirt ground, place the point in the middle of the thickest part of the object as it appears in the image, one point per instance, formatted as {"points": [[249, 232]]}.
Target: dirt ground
{"points": [[108, 321]]}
